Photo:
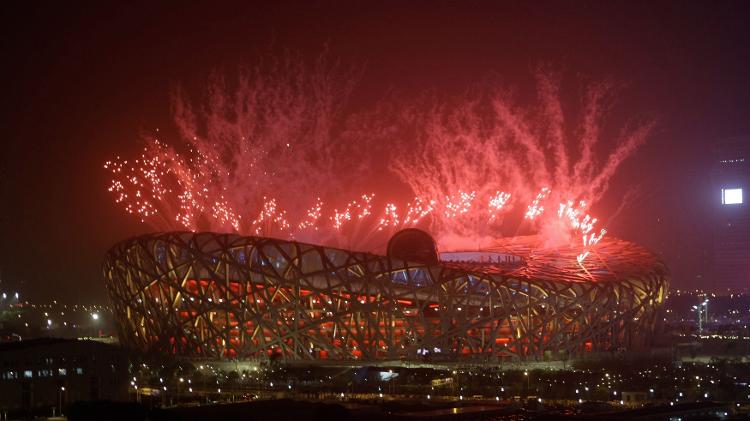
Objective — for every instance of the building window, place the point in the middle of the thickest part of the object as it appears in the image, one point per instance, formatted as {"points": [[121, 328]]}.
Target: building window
{"points": [[62, 372], [79, 371], [731, 196], [27, 374]]}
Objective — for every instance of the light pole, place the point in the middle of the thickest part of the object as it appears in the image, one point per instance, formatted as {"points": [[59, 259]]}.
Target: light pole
{"points": [[528, 382], [60, 400], [702, 310]]}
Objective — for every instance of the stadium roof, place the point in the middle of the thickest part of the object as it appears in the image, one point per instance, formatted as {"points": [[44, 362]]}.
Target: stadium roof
{"points": [[610, 260]]}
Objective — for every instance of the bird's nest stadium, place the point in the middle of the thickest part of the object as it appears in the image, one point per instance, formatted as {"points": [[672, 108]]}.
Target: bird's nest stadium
{"points": [[225, 296]]}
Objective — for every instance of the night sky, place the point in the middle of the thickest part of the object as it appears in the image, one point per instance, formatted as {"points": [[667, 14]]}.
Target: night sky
{"points": [[83, 82]]}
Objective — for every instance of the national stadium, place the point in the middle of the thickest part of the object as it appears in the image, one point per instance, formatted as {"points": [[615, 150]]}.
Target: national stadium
{"points": [[226, 296]]}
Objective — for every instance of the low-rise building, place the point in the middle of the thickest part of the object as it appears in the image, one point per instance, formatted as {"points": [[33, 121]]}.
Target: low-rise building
{"points": [[635, 398], [51, 372]]}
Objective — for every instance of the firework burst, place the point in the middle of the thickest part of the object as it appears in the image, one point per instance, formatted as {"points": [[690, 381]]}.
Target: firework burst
{"points": [[273, 158]]}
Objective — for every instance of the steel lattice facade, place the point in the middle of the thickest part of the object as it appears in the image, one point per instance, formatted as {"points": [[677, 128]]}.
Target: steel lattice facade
{"points": [[227, 296]]}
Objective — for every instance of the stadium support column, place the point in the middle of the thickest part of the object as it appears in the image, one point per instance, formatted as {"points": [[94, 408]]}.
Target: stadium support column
{"points": [[527, 334], [491, 285], [299, 347]]}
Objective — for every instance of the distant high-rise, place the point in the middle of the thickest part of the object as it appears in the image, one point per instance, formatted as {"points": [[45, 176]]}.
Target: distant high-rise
{"points": [[731, 182]]}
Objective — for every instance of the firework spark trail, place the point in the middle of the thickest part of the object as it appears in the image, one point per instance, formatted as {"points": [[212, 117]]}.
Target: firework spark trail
{"points": [[340, 218], [222, 213], [573, 215], [536, 207], [360, 208], [496, 204], [140, 185], [628, 145], [582, 224], [549, 92], [417, 210], [458, 204], [388, 221], [389, 218], [596, 105], [588, 243], [270, 218], [312, 216], [364, 206]]}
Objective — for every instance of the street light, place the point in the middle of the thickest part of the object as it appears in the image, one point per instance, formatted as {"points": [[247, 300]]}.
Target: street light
{"points": [[528, 381], [60, 396], [702, 310]]}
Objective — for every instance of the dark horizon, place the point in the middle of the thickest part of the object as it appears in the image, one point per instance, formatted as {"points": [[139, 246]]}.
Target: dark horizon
{"points": [[83, 84]]}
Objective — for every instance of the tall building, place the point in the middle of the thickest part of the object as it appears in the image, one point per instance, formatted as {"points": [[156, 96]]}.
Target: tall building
{"points": [[731, 182]]}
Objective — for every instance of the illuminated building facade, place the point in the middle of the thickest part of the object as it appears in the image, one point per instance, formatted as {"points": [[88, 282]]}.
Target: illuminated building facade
{"points": [[228, 296], [731, 231]]}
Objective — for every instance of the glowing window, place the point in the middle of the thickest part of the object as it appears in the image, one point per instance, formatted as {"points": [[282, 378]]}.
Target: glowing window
{"points": [[731, 196]]}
